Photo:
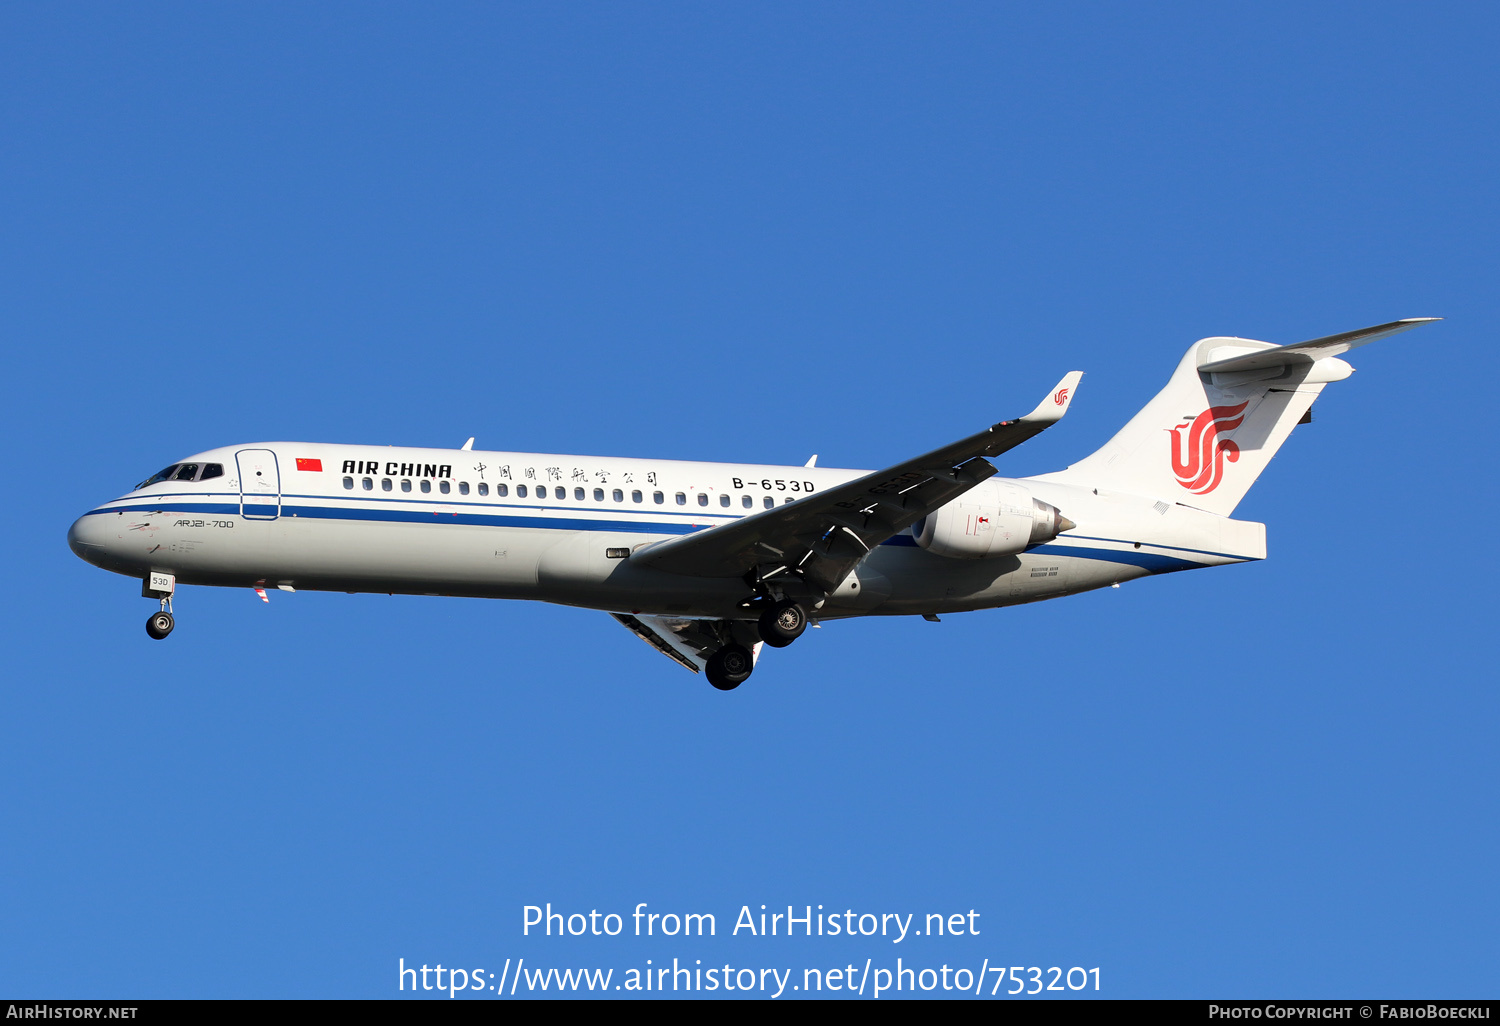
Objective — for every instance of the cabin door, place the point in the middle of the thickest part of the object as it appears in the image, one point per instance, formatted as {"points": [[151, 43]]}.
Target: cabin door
{"points": [[260, 484]]}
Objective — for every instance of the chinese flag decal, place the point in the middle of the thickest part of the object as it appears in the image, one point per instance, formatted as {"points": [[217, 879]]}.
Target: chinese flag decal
{"points": [[309, 464]]}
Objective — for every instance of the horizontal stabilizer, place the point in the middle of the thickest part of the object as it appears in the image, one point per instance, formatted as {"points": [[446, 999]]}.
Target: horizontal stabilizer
{"points": [[1310, 351]]}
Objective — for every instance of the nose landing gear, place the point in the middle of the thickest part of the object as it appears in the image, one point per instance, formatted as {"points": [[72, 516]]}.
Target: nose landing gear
{"points": [[159, 586]]}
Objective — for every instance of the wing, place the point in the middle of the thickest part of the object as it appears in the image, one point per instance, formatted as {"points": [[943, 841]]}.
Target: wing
{"points": [[820, 538]]}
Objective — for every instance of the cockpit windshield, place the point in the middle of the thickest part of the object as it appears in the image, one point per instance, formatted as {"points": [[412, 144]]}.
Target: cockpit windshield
{"points": [[185, 472]]}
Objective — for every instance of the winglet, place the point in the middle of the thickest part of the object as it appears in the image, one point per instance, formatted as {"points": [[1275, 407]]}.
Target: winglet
{"points": [[1056, 404]]}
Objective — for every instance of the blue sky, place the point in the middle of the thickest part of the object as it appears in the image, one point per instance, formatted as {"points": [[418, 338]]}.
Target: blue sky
{"points": [[750, 232]]}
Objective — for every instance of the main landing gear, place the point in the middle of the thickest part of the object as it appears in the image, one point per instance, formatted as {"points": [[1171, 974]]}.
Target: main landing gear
{"points": [[782, 623], [729, 667]]}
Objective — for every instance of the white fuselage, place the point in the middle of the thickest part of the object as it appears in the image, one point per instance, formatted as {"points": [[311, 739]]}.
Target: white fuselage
{"points": [[560, 529]]}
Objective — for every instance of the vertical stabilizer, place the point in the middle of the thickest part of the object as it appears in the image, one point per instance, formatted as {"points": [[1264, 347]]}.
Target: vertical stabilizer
{"points": [[1210, 432]]}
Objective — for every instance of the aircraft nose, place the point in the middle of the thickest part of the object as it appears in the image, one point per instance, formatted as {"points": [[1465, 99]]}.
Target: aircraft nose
{"points": [[86, 539], [99, 538]]}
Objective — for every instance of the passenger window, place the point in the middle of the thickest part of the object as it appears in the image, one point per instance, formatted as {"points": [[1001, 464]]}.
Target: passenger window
{"points": [[445, 487], [769, 502], [405, 486], [211, 470], [502, 490], [635, 496], [484, 489], [521, 491], [463, 488], [619, 495], [348, 484], [385, 484], [724, 499], [658, 498], [187, 472], [681, 499], [787, 500], [368, 484], [702, 499], [578, 494], [426, 486], [746, 501], [598, 494]]}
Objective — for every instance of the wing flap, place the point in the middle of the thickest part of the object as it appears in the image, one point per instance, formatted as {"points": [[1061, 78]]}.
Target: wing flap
{"points": [[686, 642], [656, 636]]}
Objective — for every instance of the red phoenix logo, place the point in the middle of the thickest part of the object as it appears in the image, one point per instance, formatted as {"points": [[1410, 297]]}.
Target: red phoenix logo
{"points": [[1061, 396], [1198, 455]]}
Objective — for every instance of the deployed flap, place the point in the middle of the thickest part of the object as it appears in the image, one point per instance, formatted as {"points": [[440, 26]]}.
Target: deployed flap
{"points": [[1311, 350], [819, 539], [686, 642]]}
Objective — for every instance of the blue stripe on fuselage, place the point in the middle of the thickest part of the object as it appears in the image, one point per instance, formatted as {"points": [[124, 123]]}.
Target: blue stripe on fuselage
{"points": [[1151, 561], [413, 516]]}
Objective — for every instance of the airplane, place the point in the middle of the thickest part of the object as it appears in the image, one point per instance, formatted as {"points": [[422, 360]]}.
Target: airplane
{"points": [[711, 562]]}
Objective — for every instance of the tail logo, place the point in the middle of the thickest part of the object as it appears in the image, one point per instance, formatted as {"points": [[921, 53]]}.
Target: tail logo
{"points": [[1061, 397], [1198, 453]]}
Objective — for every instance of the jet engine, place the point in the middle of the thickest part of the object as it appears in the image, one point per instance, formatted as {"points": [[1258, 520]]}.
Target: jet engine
{"points": [[995, 518]]}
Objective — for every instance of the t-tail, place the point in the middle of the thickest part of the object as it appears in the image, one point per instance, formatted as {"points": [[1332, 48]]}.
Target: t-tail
{"points": [[1209, 433]]}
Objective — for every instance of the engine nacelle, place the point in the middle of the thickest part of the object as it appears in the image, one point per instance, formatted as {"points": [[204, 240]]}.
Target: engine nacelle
{"points": [[994, 518]]}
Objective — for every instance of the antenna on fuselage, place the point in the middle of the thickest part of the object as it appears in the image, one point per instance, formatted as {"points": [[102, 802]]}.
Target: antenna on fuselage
{"points": [[812, 462], [470, 444]]}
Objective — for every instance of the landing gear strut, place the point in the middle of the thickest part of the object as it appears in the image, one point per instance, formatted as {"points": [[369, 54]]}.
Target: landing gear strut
{"points": [[729, 667], [782, 624]]}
